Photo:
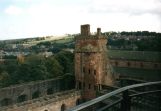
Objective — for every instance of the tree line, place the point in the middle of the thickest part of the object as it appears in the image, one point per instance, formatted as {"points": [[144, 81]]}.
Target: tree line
{"points": [[139, 41], [36, 67]]}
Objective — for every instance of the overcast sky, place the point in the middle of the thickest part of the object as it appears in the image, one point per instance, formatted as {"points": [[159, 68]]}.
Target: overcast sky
{"points": [[31, 18]]}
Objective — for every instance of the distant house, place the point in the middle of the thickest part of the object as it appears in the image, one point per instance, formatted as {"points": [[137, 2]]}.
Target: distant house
{"points": [[68, 49], [46, 54], [12, 46]]}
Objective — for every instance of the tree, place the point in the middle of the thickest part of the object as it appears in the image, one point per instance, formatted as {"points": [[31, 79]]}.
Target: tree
{"points": [[65, 59], [4, 79], [53, 67], [20, 59]]}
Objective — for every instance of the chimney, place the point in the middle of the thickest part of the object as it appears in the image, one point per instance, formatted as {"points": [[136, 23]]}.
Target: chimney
{"points": [[85, 29], [98, 31]]}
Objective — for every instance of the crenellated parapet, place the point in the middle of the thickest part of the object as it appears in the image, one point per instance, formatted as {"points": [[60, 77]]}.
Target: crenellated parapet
{"points": [[88, 43], [55, 102], [86, 34], [30, 91], [91, 62]]}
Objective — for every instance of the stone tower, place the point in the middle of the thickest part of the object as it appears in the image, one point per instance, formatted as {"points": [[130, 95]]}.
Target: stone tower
{"points": [[91, 63]]}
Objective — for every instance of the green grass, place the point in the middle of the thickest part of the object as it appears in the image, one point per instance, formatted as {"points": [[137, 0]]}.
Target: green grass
{"points": [[147, 74], [64, 40], [61, 40], [135, 55]]}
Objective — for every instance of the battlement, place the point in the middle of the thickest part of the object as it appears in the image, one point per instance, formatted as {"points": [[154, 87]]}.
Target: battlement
{"points": [[85, 30], [29, 91], [86, 34], [53, 102], [91, 62], [98, 31]]}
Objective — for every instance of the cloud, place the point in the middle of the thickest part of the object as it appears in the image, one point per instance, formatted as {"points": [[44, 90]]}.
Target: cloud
{"points": [[13, 10], [129, 15], [50, 17], [131, 7]]}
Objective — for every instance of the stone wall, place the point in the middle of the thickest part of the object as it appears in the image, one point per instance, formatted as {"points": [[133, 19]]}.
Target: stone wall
{"points": [[135, 64], [56, 102], [25, 92], [92, 67]]}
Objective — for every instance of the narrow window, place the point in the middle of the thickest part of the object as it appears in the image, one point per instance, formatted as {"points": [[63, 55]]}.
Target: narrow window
{"points": [[89, 86], [80, 86], [89, 71], [95, 87], [83, 69], [63, 107], [94, 72], [116, 63], [128, 64], [141, 64], [84, 85], [155, 65]]}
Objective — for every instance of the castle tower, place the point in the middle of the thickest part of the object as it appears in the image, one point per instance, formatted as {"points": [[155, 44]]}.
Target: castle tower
{"points": [[91, 63]]}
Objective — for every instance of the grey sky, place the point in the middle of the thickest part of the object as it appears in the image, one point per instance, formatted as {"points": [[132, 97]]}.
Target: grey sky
{"points": [[29, 18]]}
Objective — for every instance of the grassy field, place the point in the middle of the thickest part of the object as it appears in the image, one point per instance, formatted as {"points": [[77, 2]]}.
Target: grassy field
{"points": [[64, 40], [113, 54], [147, 74], [56, 39], [135, 55]]}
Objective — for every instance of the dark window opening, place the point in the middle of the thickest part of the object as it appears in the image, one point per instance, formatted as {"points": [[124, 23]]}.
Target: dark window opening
{"points": [[89, 71], [83, 69], [80, 85], [78, 101], [22, 98], [95, 87], [116, 63], [94, 72], [63, 107], [50, 91], [128, 64], [35, 94], [89, 86], [6, 102], [84, 85], [141, 64], [155, 65]]}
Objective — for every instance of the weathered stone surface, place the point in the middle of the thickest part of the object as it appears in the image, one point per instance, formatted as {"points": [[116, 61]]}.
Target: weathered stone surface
{"points": [[92, 67], [56, 102], [26, 92], [135, 64]]}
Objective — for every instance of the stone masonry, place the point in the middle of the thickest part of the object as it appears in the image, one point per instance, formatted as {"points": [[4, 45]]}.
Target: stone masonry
{"points": [[92, 67]]}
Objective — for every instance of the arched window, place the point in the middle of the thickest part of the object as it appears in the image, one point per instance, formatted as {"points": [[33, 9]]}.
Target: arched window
{"points": [[95, 87], [50, 91], [63, 107], [89, 86], [36, 94], [78, 101], [94, 72], [128, 64], [116, 63], [22, 98], [6, 102]]}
